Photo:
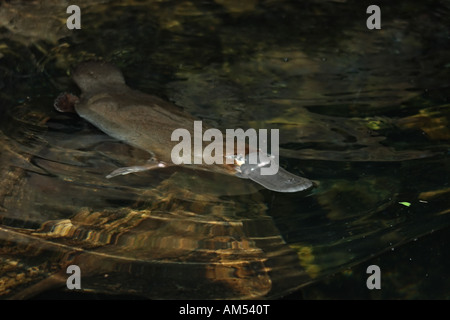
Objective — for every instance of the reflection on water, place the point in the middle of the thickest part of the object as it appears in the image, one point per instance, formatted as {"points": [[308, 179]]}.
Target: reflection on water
{"points": [[177, 234], [363, 114]]}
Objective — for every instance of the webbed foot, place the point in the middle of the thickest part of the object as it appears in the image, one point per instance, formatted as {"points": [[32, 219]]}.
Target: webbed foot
{"points": [[151, 164]]}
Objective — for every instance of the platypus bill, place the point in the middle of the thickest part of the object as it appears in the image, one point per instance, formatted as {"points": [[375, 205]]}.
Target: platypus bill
{"points": [[147, 122]]}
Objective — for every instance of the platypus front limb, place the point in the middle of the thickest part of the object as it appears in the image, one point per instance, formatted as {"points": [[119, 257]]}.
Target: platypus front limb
{"points": [[151, 164]]}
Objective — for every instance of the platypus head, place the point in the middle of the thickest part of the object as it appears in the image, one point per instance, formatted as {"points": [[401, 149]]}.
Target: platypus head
{"points": [[92, 76]]}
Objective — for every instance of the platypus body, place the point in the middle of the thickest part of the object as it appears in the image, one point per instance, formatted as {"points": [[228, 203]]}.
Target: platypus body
{"points": [[147, 122]]}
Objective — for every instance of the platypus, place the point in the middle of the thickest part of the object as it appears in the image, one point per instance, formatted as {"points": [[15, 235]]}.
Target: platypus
{"points": [[147, 122]]}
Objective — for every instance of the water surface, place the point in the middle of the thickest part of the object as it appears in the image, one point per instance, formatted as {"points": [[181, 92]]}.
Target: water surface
{"points": [[364, 114]]}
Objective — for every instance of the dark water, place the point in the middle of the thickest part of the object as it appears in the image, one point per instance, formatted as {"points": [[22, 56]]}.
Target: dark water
{"points": [[363, 113]]}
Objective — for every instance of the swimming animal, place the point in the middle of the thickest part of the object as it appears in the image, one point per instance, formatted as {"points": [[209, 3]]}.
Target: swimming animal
{"points": [[147, 122]]}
